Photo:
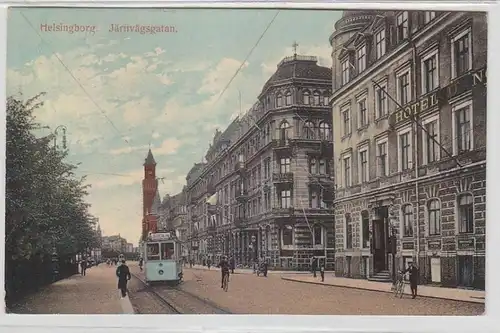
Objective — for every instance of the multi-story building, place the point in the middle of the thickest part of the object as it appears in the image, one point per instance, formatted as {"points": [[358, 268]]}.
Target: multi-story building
{"points": [[270, 174], [114, 243], [173, 218], [409, 115]]}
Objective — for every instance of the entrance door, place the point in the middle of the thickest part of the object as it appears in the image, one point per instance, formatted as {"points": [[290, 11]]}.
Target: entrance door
{"points": [[465, 271], [436, 270], [379, 246]]}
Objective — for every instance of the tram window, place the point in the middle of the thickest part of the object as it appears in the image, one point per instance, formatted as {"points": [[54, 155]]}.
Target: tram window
{"points": [[153, 251], [167, 250]]}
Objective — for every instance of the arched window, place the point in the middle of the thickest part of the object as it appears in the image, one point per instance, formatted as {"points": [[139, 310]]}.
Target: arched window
{"points": [[316, 98], [308, 130], [318, 234], [287, 235], [306, 97], [324, 131], [348, 231], [284, 130], [465, 214], [279, 100], [434, 213], [288, 98], [407, 220]]}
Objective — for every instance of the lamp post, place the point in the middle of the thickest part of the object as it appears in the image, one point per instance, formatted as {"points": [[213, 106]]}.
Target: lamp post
{"points": [[393, 252]]}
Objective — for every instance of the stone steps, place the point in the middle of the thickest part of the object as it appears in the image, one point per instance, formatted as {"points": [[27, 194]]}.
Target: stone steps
{"points": [[382, 276]]}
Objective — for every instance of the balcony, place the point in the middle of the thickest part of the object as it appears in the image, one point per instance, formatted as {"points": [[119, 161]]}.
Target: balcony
{"points": [[239, 167], [212, 209], [240, 221], [282, 146], [211, 189], [319, 211], [211, 229], [241, 195], [283, 212], [322, 180], [286, 177]]}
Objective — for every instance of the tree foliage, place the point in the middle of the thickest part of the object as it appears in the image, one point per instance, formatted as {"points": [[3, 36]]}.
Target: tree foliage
{"points": [[45, 202]]}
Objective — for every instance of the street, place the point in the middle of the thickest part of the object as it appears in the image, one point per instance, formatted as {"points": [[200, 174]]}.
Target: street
{"points": [[249, 294]]}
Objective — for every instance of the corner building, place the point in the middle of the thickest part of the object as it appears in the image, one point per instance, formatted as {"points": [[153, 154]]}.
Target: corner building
{"points": [[392, 176], [271, 172]]}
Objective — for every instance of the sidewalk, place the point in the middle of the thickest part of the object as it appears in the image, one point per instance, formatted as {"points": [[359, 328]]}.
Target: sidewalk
{"points": [[95, 293], [247, 270], [474, 296]]}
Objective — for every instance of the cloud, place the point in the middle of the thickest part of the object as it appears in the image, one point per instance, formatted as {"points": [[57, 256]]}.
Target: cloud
{"points": [[167, 147], [155, 135], [216, 79], [101, 181]]}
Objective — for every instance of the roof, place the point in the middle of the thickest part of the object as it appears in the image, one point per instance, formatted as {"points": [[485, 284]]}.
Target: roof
{"points": [[301, 67], [150, 160], [355, 19]]}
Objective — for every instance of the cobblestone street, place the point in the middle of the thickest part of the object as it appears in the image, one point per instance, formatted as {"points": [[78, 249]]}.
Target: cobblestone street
{"points": [[249, 294]]}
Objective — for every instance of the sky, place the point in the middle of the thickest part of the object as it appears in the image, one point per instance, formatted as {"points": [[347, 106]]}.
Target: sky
{"points": [[120, 92]]}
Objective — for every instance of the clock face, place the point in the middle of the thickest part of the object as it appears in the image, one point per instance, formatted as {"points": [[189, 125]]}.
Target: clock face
{"points": [[150, 172]]}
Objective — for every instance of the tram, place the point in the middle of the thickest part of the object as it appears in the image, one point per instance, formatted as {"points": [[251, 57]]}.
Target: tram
{"points": [[162, 260]]}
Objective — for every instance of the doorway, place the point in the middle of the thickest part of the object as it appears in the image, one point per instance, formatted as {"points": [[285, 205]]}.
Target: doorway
{"points": [[465, 271], [379, 248], [436, 270]]}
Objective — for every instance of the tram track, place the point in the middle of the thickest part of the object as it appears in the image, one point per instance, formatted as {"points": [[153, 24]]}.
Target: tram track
{"points": [[180, 301]]}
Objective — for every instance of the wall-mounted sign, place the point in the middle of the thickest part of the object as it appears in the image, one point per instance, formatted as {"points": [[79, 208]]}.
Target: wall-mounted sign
{"points": [[161, 236], [434, 245], [413, 109], [408, 246], [464, 83], [465, 244]]}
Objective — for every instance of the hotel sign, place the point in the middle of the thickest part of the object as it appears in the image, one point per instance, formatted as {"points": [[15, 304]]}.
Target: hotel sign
{"points": [[457, 87]]}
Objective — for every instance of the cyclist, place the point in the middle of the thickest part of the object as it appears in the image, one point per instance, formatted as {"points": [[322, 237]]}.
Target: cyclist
{"points": [[224, 268]]}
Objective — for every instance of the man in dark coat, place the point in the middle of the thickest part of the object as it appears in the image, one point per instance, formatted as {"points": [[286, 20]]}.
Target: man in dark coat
{"points": [[123, 274], [314, 265], [83, 265], [413, 275]]}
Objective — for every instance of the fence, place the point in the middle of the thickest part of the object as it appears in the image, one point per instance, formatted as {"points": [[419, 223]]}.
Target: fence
{"points": [[23, 276]]}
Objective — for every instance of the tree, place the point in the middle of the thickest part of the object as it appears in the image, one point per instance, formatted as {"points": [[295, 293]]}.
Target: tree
{"points": [[45, 202]]}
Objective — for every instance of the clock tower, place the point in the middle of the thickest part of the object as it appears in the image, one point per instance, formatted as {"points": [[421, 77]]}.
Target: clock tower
{"points": [[149, 196]]}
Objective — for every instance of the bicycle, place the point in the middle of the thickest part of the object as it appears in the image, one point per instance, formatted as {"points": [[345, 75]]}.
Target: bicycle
{"points": [[399, 286], [225, 281]]}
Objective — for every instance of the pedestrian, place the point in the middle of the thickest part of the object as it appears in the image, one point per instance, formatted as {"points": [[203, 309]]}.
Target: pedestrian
{"points": [[322, 272], [314, 265], [231, 264], [123, 274], [413, 276], [209, 262], [83, 266]]}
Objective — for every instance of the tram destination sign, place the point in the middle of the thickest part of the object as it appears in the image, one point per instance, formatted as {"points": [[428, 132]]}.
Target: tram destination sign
{"points": [[161, 236], [441, 96]]}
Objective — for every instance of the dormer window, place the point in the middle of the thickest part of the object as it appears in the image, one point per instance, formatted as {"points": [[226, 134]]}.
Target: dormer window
{"points": [[345, 71], [402, 25], [306, 98], [288, 98], [361, 59], [380, 44]]}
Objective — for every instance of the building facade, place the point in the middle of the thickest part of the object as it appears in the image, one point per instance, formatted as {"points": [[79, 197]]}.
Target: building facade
{"points": [[267, 177], [173, 217], [409, 116]]}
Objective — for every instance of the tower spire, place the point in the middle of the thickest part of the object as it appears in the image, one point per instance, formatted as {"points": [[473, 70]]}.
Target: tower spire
{"points": [[150, 160]]}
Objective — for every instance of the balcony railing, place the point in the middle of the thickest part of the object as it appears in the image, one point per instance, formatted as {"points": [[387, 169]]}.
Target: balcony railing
{"points": [[281, 143], [211, 189], [239, 167], [240, 221], [283, 211], [212, 209], [286, 177], [241, 195], [211, 229]]}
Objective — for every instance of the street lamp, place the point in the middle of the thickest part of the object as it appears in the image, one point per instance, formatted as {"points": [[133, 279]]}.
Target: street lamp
{"points": [[392, 242]]}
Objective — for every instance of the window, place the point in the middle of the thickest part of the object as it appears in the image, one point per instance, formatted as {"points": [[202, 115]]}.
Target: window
{"points": [[346, 121], [404, 144], [285, 165], [429, 16], [402, 25], [326, 100], [288, 98], [269, 239], [461, 55], [462, 127], [363, 114], [308, 130], [318, 235], [403, 89], [167, 251], [408, 220], [286, 198], [287, 236], [313, 167], [306, 98], [382, 158], [279, 100], [345, 72], [284, 131], [365, 229], [347, 171], [430, 74], [465, 214], [363, 166], [324, 131], [380, 44], [322, 167], [381, 103], [153, 251], [430, 140], [348, 228], [361, 57], [434, 213], [314, 199], [316, 98]]}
